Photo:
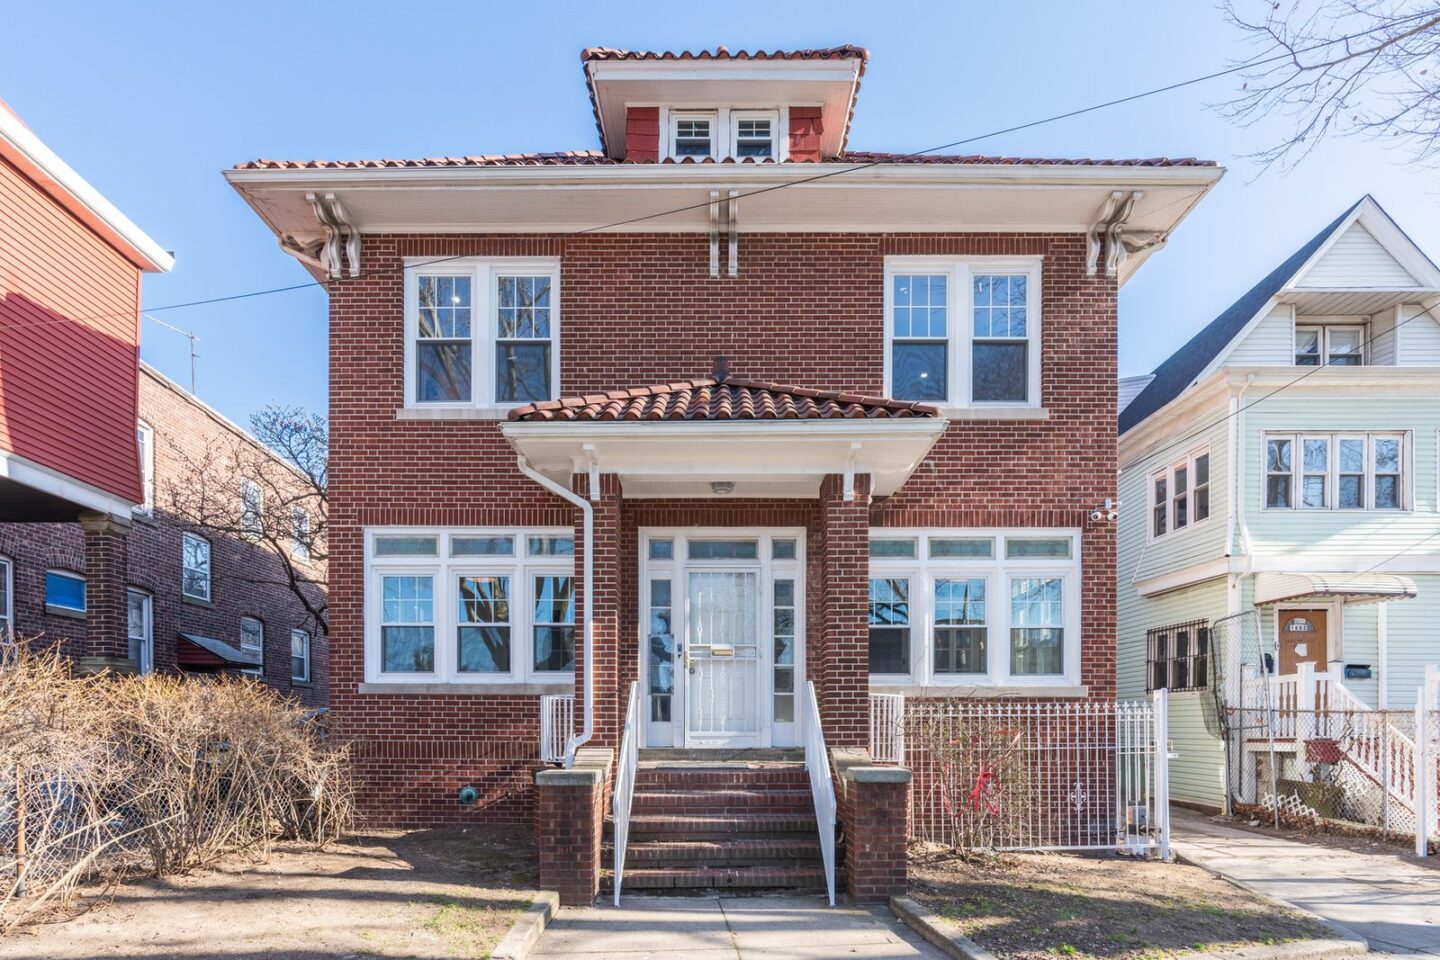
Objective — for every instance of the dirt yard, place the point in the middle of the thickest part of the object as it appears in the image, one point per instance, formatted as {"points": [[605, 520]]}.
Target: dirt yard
{"points": [[1059, 905], [426, 894]]}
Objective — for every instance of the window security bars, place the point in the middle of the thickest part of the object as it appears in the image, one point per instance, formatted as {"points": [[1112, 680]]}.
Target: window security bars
{"points": [[1178, 656]]}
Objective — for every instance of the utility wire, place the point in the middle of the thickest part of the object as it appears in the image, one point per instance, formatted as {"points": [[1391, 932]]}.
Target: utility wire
{"points": [[853, 168]]}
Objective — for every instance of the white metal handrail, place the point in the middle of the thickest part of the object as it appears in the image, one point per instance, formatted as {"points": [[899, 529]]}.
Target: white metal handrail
{"points": [[887, 727], [557, 726], [822, 787], [625, 772]]}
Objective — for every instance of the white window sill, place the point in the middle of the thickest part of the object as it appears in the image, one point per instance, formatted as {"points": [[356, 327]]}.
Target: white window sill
{"points": [[452, 413], [469, 689], [995, 413], [1060, 689]]}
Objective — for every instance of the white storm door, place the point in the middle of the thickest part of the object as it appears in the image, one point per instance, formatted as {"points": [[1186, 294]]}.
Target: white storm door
{"points": [[722, 658]]}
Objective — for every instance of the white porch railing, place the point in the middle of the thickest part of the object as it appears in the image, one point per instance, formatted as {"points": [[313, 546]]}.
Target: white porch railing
{"points": [[822, 787], [625, 772], [887, 727], [557, 726]]}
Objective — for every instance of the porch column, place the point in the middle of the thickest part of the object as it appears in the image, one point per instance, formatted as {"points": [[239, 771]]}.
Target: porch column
{"points": [[609, 699], [840, 664], [107, 645]]}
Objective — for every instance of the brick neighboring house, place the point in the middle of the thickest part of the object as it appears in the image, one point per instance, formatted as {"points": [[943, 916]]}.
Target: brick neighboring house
{"points": [[197, 602], [820, 434]]}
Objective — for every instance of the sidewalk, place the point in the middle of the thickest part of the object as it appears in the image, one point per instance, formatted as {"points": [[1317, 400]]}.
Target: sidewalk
{"points": [[1383, 897], [729, 928]]}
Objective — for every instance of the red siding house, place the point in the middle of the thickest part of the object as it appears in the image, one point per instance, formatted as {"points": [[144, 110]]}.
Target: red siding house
{"points": [[70, 270], [722, 412]]}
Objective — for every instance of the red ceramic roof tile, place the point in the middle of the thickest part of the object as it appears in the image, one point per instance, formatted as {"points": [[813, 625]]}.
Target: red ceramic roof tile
{"points": [[733, 398], [594, 158]]}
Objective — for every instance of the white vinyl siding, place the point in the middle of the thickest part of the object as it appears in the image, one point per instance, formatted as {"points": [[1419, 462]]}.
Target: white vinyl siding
{"points": [[1269, 343], [1356, 259], [1418, 337]]}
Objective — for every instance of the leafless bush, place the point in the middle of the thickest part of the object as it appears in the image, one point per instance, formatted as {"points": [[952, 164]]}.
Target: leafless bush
{"points": [[104, 777], [976, 765]]}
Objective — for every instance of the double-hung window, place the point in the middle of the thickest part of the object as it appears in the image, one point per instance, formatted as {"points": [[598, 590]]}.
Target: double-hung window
{"points": [[139, 630], [481, 332], [1335, 345], [1178, 656], [300, 534], [1336, 471], [252, 510], [7, 590], [145, 447], [963, 332], [452, 605], [974, 607], [1180, 494], [252, 641], [300, 656], [195, 567]]}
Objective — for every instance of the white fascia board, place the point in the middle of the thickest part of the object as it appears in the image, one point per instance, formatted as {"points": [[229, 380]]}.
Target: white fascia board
{"points": [[804, 71], [1362, 380], [48, 480], [758, 174], [23, 140], [1182, 413], [1388, 234]]}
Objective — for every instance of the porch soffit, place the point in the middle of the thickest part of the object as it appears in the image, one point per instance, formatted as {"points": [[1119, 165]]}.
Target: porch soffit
{"points": [[1349, 588]]}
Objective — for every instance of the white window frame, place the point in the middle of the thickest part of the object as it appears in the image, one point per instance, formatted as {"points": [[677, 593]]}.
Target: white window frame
{"points": [[1167, 473], [484, 274], [240, 644], [146, 662], [773, 116], [1332, 486], [520, 568], [252, 510], [672, 133], [145, 442], [1323, 341], [998, 572], [7, 608], [960, 327], [300, 534], [209, 568], [304, 637], [68, 575]]}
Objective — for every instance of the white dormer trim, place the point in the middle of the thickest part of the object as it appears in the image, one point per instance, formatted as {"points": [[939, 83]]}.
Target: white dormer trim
{"points": [[1387, 233]]}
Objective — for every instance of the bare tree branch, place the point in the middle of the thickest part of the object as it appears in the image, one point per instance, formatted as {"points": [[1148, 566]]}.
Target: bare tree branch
{"points": [[1343, 68], [286, 470]]}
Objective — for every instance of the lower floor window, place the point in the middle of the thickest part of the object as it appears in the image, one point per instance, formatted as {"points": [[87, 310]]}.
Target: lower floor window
{"points": [[252, 641], [300, 656], [65, 590], [139, 632], [974, 606], [1178, 656], [467, 605]]}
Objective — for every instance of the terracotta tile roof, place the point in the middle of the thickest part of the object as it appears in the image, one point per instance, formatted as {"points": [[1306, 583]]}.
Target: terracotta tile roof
{"points": [[594, 158], [846, 51], [731, 398]]}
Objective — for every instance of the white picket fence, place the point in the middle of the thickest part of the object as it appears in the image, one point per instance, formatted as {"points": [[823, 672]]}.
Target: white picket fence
{"points": [[1084, 775]]}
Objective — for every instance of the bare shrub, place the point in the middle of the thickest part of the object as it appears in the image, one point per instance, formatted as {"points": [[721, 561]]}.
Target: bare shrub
{"points": [[109, 777], [975, 767]]}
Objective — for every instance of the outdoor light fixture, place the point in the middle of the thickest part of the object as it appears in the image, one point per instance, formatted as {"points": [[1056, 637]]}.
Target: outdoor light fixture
{"points": [[722, 488]]}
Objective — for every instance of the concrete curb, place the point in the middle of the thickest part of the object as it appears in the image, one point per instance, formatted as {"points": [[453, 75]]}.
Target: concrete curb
{"points": [[935, 929], [1341, 934], [526, 930]]}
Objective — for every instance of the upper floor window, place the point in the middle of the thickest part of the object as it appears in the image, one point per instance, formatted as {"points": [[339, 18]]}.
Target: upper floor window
{"points": [[252, 641], [723, 133], [753, 135], [963, 332], [1329, 345], [1180, 494], [252, 510], [693, 135], [482, 332], [65, 590], [300, 534], [145, 446], [1336, 471], [195, 567]]}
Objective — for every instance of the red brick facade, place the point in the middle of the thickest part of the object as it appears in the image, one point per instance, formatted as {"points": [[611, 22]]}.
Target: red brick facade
{"points": [[147, 557], [641, 309]]}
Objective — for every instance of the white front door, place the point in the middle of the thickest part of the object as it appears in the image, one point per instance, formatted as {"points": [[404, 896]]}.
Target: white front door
{"points": [[722, 636], [722, 658]]}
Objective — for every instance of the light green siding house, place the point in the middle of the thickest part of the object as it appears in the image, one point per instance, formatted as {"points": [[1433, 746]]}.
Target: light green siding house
{"points": [[1284, 461]]}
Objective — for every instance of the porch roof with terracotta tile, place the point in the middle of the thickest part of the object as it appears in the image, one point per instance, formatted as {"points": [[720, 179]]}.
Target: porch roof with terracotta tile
{"points": [[726, 398]]}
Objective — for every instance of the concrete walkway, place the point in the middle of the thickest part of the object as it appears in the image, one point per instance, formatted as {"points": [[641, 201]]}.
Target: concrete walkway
{"points": [[1382, 896], [729, 928]]}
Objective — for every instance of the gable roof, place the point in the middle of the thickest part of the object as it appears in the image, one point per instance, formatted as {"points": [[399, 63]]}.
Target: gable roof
{"points": [[1186, 365], [727, 398]]}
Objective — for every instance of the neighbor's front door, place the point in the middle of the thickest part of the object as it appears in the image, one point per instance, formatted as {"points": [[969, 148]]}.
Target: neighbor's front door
{"points": [[722, 658], [1303, 639]]}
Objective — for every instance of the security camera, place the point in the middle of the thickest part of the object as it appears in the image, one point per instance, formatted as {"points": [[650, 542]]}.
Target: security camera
{"points": [[1097, 515], [1113, 515]]}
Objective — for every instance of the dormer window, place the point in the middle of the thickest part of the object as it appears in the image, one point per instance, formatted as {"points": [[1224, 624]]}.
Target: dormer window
{"points": [[754, 135], [1329, 344], [694, 135]]}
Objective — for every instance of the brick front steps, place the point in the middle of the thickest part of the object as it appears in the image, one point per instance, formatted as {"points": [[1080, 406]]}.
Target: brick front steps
{"points": [[700, 824]]}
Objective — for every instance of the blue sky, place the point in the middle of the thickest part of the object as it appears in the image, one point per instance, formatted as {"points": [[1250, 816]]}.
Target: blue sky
{"points": [[150, 102]]}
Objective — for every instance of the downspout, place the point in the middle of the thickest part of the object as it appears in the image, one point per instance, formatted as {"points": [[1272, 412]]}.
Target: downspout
{"points": [[587, 581], [1241, 458]]}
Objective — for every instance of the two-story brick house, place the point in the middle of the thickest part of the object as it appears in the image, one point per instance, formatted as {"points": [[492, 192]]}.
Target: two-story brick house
{"points": [[722, 407], [197, 601], [1278, 474]]}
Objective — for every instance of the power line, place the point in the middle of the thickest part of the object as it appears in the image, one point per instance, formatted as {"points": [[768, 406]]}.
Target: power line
{"points": [[854, 168]]}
